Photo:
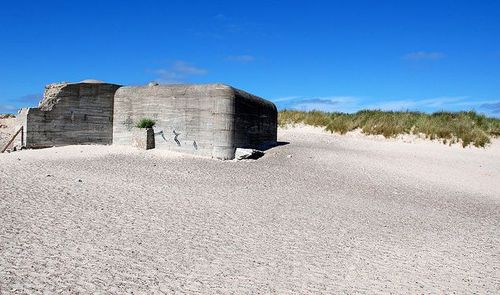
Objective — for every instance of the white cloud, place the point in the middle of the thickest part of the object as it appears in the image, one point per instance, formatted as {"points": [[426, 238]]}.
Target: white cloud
{"points": [[351, 104], [430, 105], [424, 55], [8, 108], [180, 71], [13, 105], [344, 104], [493, 107], [286, 98], [185, 68], [325, 103], [413, 104], [168, 76]]}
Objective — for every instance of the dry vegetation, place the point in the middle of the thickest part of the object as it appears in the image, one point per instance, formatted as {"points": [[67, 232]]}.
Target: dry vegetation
{"points": [[466, 128], [7, 116]]}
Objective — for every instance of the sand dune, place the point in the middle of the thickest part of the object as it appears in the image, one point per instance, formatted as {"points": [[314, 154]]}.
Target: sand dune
{"points": [[322, 214], [7, 129]]}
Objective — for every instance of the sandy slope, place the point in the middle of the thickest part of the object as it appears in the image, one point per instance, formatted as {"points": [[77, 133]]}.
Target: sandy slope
{"points": [[6, 130], [322, 214]]}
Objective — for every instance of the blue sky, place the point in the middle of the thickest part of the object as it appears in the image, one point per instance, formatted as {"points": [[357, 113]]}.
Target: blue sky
{"points": [[327, 55]]}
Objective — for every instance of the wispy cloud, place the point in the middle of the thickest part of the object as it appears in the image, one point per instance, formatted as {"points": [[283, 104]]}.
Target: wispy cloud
{"points": [[318, 104], [179, 71], [7, 108], [327, 103], [185, 68], [424, 55], [13, 105], [30, 99], [240, 58], [350, 104], [437, 103], [429, 105], [493, 107]]}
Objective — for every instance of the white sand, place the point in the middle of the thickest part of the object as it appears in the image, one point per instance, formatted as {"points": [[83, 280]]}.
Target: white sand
{"points": [[323, 214], [7, 127]]}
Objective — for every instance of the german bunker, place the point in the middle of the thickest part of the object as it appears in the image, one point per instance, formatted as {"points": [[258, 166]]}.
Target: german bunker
{"points": [[210, 120]]}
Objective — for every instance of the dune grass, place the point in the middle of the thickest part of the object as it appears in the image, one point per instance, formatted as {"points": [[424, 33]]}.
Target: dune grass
{"points": [[145, 123], [7, 116], [466, 128]]}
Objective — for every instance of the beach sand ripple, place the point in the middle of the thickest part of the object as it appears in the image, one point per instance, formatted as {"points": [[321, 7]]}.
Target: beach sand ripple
{"points": [[322, 214]]}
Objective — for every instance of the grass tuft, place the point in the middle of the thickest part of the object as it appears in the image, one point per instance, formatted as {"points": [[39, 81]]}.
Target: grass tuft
{"points": [[145, 123], [466, 128]]}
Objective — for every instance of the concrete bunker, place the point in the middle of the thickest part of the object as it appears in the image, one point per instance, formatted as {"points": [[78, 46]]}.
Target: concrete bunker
{"points": [[209, 120], [69, 114]]}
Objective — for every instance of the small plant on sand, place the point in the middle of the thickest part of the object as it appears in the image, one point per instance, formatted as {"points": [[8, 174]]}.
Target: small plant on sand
{"points": [[145, 123]]}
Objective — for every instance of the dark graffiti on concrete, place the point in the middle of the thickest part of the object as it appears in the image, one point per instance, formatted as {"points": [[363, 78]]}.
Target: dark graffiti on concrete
{"points": [[128, 123], [176, 135], [162, 135], [175, 138]]}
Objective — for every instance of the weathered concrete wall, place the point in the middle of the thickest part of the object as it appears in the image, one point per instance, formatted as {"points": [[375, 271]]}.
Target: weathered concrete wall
{"points": [[21, 122], [209, 120], [256, 121], [72, 113]]}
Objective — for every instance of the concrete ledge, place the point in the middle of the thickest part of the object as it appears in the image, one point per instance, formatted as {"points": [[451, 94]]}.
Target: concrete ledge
{"points": [[143, 138]]}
